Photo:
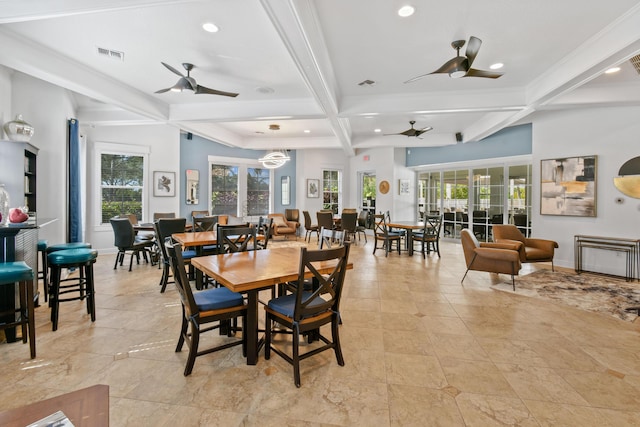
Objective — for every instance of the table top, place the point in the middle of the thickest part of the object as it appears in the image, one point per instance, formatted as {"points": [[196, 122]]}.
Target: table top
{"points": [[251, 270], [85, 407]]}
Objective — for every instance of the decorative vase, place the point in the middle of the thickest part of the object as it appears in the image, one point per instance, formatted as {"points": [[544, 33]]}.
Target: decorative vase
{"points": [[18, 130], [4, 206]]}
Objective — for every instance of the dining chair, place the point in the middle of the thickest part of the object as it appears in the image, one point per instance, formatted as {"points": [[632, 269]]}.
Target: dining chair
{"points": [[325, 219], [165, 227], [329, 238], [429, 236], [236, 238], [305, 311], [309, 226], [348, 223], [383, 235], [264, 228], [158, 215], [201, 309], [126, 241], [361, 227], [205, 223]]}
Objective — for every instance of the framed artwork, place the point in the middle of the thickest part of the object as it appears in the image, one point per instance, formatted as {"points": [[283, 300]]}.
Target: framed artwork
{"points": [[404, 186], [164, 184], [568, 186], [313, 188]]}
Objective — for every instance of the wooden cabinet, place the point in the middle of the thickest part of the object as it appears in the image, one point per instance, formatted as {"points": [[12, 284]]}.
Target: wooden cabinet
{"points": [[30, 173]]}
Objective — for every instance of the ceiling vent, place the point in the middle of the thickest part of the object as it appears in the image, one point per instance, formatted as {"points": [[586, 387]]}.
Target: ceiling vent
{"points": [[367, 83], [635, 61], [113, 54]]}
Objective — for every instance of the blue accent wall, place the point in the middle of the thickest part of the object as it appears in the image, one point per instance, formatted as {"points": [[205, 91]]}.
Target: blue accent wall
{"points": [[512, 141], [194, 154]]}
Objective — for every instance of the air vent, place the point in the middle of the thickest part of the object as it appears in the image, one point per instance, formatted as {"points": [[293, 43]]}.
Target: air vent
{"points": [[113, 54], [635, 61], [367, 83]]}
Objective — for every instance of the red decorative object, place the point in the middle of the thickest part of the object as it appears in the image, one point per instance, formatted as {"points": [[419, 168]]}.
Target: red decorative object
{"points": [[17, 215]]}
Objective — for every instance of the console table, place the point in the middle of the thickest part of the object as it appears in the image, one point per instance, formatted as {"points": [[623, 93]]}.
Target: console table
{"points": [[631, 248]]}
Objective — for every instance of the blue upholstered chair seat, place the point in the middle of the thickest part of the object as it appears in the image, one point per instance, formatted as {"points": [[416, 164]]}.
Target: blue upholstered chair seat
{"points": [[285, 304], [15, 271], [217, 298], [63, 246], [188, 254], [42, 245], [72, 256]]}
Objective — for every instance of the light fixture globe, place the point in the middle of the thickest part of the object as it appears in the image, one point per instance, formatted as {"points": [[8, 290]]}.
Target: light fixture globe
{"points": [[274, 159]]}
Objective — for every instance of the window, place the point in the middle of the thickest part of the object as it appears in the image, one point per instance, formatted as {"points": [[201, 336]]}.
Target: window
{"points": [[239, 187], [331, 190], [122, 185], [257, 191], [224, 190]]}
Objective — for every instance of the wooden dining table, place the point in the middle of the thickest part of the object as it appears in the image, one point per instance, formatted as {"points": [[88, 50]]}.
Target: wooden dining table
{"points": [[252, 271], [409, 226], [198, 240]]}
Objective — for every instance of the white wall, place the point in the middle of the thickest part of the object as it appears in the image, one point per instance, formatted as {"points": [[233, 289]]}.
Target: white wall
{"points": [[5, 98], [309, 165], [612, 135], [163, 143], [47, 108]]}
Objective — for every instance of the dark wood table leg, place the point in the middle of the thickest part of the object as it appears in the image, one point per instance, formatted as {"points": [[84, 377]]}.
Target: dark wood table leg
{"points": [[252, 327]]}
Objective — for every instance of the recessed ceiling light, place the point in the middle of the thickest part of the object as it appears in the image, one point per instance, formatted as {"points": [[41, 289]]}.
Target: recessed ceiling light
{"points": [[405, 11], [377, 130], [265, 89], [496, 66], [612, 70], [210, 27], [307, 131]]}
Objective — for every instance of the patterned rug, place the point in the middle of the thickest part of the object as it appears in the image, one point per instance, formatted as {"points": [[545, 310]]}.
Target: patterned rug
{"points": [[590, 292]]}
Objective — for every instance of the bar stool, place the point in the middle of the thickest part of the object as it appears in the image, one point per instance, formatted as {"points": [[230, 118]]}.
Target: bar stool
{"points": [[43, 273], [20, 272], [82, 259], [63, 246]]}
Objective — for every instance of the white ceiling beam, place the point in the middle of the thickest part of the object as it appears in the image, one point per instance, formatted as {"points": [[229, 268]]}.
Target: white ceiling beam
{"points": [[33, 10], [237, 110], [32, 59], [297, 24]]}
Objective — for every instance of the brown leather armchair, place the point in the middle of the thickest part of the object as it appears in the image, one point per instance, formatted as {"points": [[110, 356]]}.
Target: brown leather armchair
{"points": [[491, 257], [293, 215], [531, 250], [282, 227]]}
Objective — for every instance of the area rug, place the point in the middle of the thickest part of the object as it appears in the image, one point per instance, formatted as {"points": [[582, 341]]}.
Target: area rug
{"points": [[590, 292]]}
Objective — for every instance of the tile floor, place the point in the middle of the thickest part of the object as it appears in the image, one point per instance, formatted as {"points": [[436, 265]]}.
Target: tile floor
{"points": [[420, 349]]}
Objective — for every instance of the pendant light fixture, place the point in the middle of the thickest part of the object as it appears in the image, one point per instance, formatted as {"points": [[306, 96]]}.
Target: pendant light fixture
{"points": [[275, 158]]}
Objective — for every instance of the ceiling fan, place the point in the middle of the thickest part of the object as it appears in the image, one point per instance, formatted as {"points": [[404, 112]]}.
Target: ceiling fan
{"points": [[460, 66], [412, 132], [189, 83]]}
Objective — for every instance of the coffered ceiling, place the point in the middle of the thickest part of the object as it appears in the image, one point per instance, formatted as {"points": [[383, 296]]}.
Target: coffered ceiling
{"points": [[298, 63]]}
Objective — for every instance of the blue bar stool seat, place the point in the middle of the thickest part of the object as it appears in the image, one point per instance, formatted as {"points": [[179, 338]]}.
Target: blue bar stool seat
{"points": [[63, 246], [20, 272], [80, 288], [43, 272]]}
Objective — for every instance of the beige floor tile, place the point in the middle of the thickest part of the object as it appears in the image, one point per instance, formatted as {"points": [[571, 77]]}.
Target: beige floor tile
{"points": [[419, 349]]}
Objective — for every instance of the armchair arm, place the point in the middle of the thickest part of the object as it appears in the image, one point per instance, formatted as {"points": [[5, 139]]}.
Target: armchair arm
{"points": [[514, 245], [519, 246], [543, 244], [498, 254]]}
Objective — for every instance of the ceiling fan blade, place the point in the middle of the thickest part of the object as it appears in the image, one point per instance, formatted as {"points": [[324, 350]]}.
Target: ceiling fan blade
{"points": [[426, 129], [413, 80], [173, 70], [454, 64], [472, 49], [163, 90], [482, 73], [206, 90]]}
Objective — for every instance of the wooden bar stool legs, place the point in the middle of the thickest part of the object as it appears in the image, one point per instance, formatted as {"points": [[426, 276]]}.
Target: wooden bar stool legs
{"points": [[80, 288]]}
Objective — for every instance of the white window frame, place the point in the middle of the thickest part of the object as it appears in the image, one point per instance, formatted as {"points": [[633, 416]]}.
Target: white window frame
{"points": [[340, 182], [101, 148], [243, 165]]}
